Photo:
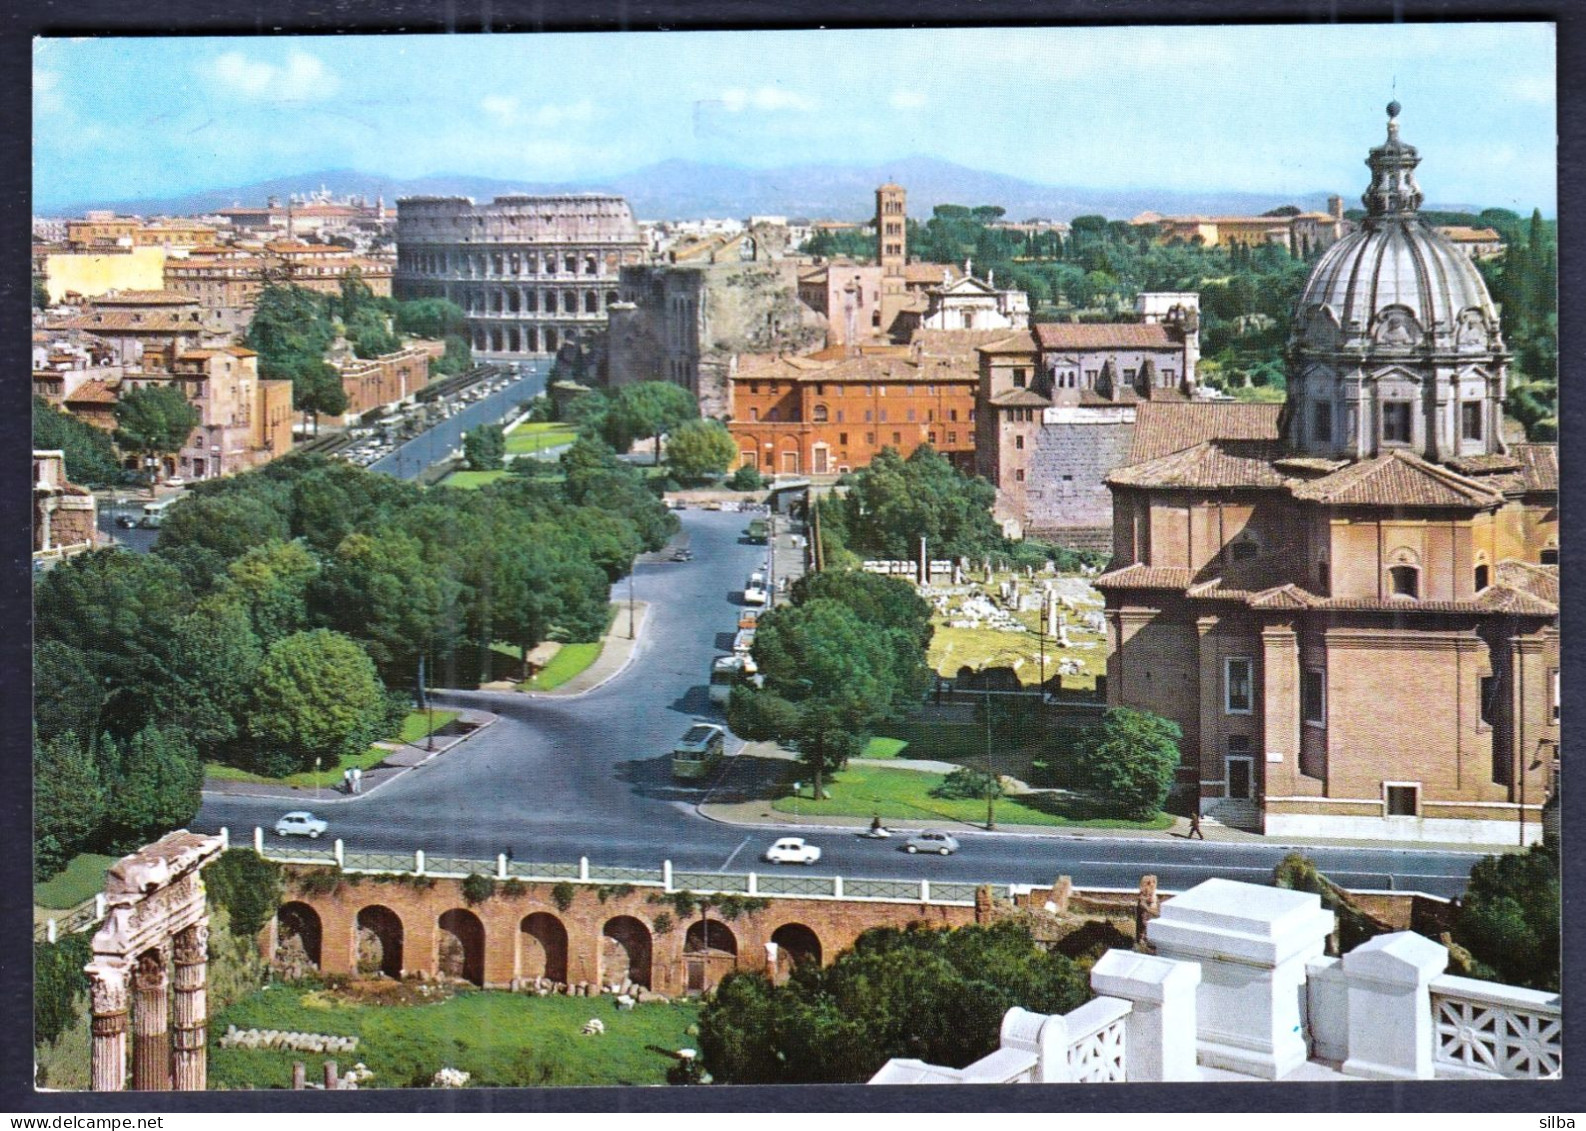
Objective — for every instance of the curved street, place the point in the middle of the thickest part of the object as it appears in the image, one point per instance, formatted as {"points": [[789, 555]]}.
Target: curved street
{"points": [[562, 777]]}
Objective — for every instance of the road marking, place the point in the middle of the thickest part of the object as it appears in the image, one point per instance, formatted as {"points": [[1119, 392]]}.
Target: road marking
{"points": [[727, 863]]}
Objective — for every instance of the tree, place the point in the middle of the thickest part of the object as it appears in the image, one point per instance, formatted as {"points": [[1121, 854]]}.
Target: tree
{"points": [[271, 582], [156, 787], [1130, 759], [893, 502], [90, 455], [229, 523], [291, 331], [434, 318], [317, 697], [378, 589], [248, 886], [155, 420], [1509, 917], [938, 995], [68, 802], [746, 478], [215, 657], [41, 295], [68, 693], [648, 409], [485, 447], [698, 449]]}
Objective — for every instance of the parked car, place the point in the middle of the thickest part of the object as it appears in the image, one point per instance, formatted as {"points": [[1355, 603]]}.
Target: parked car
{"points": [[928, 840], [682, 555], [176, 481], [753, 595], [792, 850], [300, 822], [126, 521]]}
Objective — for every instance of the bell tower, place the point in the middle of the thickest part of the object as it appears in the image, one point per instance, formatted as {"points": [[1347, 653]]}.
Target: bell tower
{"points": [[892, 249]]}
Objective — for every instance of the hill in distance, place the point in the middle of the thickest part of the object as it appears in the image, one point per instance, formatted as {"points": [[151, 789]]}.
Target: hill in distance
{"points": [[678, 189]]}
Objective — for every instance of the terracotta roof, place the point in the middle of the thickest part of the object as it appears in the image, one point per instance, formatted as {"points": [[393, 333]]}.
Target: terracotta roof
{"points": [[93, 391], [1141, 576], [1020, 398], [1214, 465], [1462, 234], [155, 322], [1283, 597], [1107, 335], [1538, 580], [1397, 479], [1493, 599], [1538, 466], [1022, 342], [144, 298], [954, 343], [1161, 428], [866, 367], [930, 272]]}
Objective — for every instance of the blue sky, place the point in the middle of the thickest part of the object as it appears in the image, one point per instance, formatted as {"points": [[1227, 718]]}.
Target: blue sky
{"points": [[1272, 109]]}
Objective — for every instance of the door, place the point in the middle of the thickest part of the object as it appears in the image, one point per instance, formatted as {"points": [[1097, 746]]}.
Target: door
{"points": [[818, 462], [695, 969], [1239, 778], [790, 463]]}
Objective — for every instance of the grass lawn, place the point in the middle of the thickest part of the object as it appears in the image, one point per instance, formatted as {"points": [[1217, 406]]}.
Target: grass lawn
{"points": [[414, 727], [83, 878], [472, 480], [527, 439], [883, 748], [570, 660], [864, 791], [501, 1039], [935, 741]]}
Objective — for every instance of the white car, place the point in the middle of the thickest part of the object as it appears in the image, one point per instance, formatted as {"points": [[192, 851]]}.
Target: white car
{"points": [[792, 850], [304, 823], [753, 595]]}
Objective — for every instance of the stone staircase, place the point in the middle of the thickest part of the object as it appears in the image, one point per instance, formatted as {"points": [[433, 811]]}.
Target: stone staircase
{"points": [[1235, 813]]}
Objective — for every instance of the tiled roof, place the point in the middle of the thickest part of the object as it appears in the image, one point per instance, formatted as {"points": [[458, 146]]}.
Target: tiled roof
{"points": [[954, 343], [1539, 466], [1141, 576], [1493, 599], [144, 298], [93, 391], [1213, 465], [1484, 464], [155, 321], [1021, 342], [1020, 398], [1283, 597], [1107, 335], [1161, 428], [1538, 580], [930, 272], [1460, 233], [1397, 479]]}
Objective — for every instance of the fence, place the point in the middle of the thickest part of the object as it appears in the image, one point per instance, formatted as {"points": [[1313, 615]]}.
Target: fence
{"points": [[84, 917], [786, 885], [1483, 1030]]}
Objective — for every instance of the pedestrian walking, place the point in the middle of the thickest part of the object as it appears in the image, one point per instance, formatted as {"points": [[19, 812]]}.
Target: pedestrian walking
{"points": [[357, 780], [346, 781], [1195, 821]]}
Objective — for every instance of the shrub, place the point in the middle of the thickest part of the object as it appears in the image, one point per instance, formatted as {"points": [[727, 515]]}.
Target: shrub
{"points": [[248, 886], [478, 888], [58, 982], [663, 923], [965, 784], [563, 895], [746, 478], [1130, 760]]}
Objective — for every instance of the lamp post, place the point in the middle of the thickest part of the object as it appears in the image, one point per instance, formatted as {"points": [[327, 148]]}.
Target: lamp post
{"points": [[316, 777]]}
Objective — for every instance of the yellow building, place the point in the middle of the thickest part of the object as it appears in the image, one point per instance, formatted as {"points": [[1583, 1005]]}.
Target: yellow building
{"points": [[95, 273]]}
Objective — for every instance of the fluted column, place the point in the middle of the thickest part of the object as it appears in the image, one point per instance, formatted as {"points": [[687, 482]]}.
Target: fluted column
{"points": [[107, 988], [189, 1063], [151, 1037]]}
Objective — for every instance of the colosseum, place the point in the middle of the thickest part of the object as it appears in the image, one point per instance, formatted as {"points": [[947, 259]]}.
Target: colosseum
{"points": [[532, 272]]}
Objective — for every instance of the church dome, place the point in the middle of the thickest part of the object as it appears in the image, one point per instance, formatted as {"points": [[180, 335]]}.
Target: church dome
{"points": [[1396, 283]]}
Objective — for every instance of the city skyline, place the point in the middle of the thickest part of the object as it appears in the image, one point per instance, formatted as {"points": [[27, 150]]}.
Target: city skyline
{"points": [[127, 119]]}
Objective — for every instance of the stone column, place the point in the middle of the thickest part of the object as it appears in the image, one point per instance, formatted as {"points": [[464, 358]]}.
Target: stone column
{"points": [[107, 988], [1390, 1006], [189, 1062], [151, 1037]]}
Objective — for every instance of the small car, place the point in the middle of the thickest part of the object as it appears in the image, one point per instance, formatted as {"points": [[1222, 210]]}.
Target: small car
{"points": [[126, 521], [682, 555], [300, 823], [792, 850], [943, 844], [754, 595]]}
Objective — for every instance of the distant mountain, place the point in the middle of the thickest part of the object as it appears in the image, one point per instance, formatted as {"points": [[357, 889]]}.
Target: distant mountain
{"points": [[678, 189]]}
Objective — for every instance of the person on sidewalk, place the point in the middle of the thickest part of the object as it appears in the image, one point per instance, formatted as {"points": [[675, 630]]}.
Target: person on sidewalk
{"points": [[357, 780], [1195, 821]]}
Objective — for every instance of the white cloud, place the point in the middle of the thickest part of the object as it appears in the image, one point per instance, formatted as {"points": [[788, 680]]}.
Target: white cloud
{"points": [[769, 98], [303, 78], [907, 99], [46, 91], [508, 111]]}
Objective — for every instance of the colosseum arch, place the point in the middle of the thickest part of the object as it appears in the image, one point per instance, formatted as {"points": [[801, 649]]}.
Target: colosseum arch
{"points": [[299, 921], [378, 942], [625, 951], [460, 946], [798, 943], [542, 947]]}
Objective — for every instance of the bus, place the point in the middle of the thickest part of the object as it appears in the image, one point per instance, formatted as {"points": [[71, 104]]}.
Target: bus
{"points": [[698, 752], [154, 513]]}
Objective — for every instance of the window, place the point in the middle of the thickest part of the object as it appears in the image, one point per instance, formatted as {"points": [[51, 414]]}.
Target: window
{"points": [[1482, 578], [1018, 476], [1396, 422], [870, 437], [1470, 420], [754, 414], [1549, 556], [820, 414], [1324, 577], [842, 439], [1018, 443], [1403, 800], [1167, 377], [1128, 375], [1090, 377], [1313, 696], [952, 437], [1236, 685], [1322, 422], [1489, 699], [897, 437], [883, 416], [1404, 581], [910, 415], [868, 415], [1020, 378], [1553, 694], [930, 437], [952, 414], [839, 416]]}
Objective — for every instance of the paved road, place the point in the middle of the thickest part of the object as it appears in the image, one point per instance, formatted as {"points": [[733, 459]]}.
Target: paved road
{"points": [[430, 447], [558, 778]]}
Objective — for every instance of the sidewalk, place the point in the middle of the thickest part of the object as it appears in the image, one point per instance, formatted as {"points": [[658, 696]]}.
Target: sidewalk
{"points": [[402, 758], [616, 653]]}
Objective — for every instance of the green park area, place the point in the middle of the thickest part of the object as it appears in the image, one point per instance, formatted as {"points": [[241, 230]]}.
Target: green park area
{"points": [[570, 660], [472, 480], [906, 795], [82, 878], [529, 438], [416, 726], [499, 1039]]}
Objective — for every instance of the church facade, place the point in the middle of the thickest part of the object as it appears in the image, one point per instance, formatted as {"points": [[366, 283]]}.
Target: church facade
{"points": [[1354, 617]]}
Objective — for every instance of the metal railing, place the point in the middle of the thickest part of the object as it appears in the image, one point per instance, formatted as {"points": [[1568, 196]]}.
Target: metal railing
{"points": [[84, 917]]}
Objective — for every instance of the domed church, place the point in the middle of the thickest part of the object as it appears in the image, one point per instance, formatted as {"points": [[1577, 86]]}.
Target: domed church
{"points": [[1349, 603]]}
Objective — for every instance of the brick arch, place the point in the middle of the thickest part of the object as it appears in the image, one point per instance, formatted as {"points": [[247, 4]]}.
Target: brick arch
{"points": [[798, 942], [542, 947], [296, 919], [460, 945], [710, 935], [386, 932], [625, 951]]}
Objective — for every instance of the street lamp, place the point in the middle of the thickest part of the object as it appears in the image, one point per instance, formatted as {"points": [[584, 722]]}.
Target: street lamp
{"points": [[316, 777]]}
